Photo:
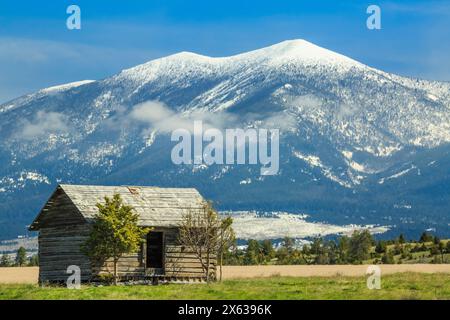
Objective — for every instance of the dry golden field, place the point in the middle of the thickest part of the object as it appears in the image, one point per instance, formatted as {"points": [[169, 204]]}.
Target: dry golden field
{"points": [[25, 275], [29, 275], [239, 272]]}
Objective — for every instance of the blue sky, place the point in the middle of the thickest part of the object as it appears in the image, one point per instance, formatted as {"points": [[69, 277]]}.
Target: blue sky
{"points": [[37, 50]]}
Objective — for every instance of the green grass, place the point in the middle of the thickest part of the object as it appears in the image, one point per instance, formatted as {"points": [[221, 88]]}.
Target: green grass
{"points": [[398, 286]]}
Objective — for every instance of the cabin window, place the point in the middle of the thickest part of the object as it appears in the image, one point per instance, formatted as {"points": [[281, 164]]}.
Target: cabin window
{"points": [[155, 246]]}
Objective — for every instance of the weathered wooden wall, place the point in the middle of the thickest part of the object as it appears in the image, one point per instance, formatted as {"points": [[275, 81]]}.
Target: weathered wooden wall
{"points": [[181, 261], [59, 248], [178, 262], [63, 232], [128, 266]]}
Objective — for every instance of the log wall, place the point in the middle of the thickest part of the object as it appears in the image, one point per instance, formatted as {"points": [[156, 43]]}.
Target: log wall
{"points": [[59, 248], [178, 261]]}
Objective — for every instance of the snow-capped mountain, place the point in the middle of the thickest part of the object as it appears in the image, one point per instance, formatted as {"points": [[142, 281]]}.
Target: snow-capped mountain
{"points": [[357, 144]]}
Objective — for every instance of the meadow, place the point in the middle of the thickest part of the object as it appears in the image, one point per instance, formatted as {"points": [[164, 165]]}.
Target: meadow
{"points": [[393, 286]]}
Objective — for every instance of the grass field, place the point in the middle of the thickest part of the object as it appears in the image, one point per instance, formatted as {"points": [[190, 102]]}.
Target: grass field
{"points": [[395, 286]]}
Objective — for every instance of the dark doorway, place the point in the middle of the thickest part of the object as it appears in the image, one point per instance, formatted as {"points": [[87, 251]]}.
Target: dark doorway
{"points": [[155, 246]]}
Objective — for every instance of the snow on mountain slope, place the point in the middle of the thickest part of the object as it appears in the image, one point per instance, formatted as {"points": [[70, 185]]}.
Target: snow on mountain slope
{"points": [[41, 93], [178, 66], [278, 225], [66, 86], [344, 127], [356, 103]]}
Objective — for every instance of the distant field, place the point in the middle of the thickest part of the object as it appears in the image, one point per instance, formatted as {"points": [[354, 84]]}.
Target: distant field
{"points": [[239, 272], [29, 275], [394, 286]]}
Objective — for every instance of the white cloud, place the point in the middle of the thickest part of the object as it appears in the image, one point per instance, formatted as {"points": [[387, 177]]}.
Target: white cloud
{"points": [[42, 124], [155, 115], [159, 116], [346, 111], [282, 121], [151, 112], [307, 101]]}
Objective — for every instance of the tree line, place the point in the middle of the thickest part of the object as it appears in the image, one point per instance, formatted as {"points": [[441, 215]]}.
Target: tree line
{"points": [[20, 259], [355, 249], [359, 248]]}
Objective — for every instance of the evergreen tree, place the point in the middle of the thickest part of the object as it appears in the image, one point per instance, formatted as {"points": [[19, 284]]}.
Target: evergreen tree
{"points": [[436, 260], [423, 247], [441, 248], [114, 232], [401, 239], [252, 255], [233, 257], [388, 258], [398, 248], [305, 255], [381, 247], [289, 244], [34, 261], [360, 245], [268, 250], [21, 257], [425, 237], [333, 252], [343, 248], [436, 240], [5, 261], [283, 256], [434, 250], [321, 258], [316, 246]]}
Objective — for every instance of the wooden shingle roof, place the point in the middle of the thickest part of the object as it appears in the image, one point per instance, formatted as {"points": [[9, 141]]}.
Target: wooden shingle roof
{"points": [[155, 206]]}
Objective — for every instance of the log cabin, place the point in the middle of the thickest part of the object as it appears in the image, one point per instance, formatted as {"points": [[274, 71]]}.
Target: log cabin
{"points": [[64, 225]]}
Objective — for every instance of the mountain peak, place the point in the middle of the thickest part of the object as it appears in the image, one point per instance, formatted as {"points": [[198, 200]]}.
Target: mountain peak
{"points": [[66, 86], [294, 43], [187, 55], [297, 51], [302, 51], [345, 135]]}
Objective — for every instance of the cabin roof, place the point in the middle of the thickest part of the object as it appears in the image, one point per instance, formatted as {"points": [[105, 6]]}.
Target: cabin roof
{"points": [[163, 207]]}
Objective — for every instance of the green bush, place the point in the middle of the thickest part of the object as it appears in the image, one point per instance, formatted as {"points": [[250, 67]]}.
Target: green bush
{"points": [[106, 278]]}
